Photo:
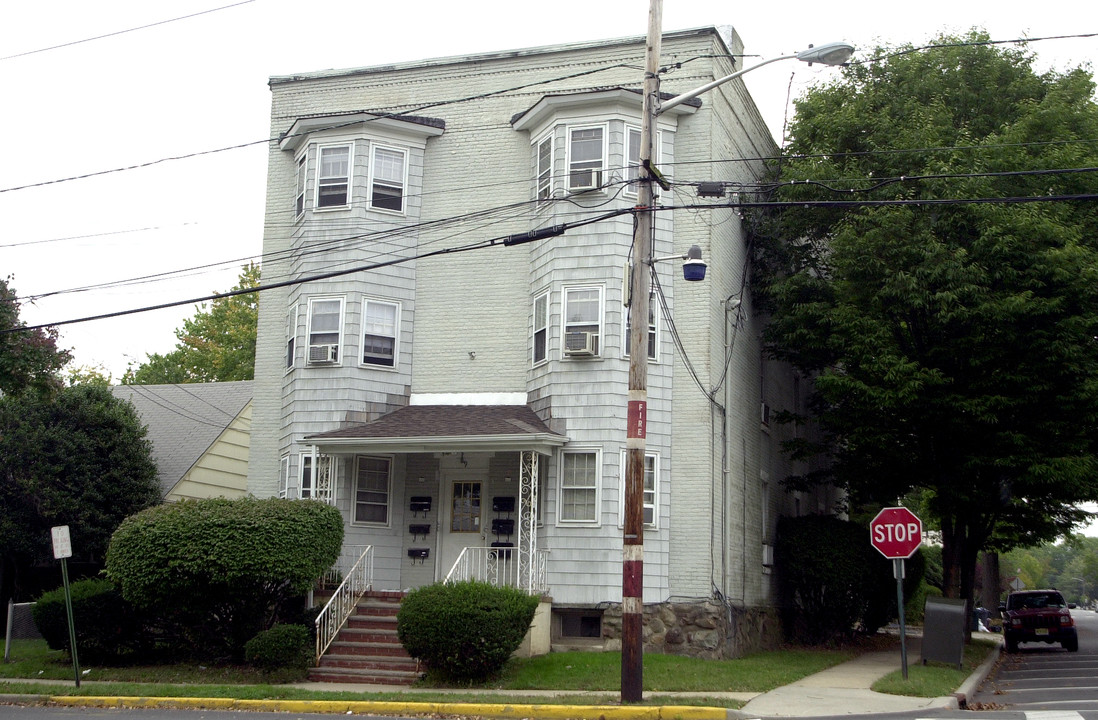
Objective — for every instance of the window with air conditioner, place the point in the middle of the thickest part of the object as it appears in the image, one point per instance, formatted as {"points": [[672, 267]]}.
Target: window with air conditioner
{"points": [[381, 326], [333, 181], [586, 157], [582, 329], [325, 331]]}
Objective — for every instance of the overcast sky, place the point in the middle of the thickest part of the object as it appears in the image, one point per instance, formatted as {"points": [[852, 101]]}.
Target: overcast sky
{"points": [[198, 84]]}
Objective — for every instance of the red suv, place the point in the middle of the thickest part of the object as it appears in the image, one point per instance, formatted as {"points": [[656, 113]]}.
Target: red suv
{"points": [[1038, 616]]}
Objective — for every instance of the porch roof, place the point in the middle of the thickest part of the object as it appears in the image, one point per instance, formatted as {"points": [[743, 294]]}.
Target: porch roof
{"points": [[445, 428]]}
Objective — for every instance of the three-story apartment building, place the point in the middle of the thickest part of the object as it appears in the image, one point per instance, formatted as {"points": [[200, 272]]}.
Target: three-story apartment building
{"points": [[461, 395]]}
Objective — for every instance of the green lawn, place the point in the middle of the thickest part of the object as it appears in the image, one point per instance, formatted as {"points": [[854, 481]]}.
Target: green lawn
{"points": [[597, 672], [936, 679]]}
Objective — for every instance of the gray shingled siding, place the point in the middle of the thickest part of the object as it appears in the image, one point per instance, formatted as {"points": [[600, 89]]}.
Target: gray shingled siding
{"points": [[466, 317]]}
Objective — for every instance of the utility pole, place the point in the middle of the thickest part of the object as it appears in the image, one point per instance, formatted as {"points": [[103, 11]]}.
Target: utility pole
{"points": [[632, 578]]}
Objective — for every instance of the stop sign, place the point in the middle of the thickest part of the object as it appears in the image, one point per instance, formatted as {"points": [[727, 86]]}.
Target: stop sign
{"points": [[896, 532]]}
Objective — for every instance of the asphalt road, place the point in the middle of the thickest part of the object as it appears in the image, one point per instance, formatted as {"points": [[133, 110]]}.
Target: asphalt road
{"points": [[1042, 677]]}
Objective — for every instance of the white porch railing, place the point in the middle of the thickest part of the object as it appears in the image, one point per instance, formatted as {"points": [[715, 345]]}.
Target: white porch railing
{"points": [[348, 556], [356, 581], [500, 567]]}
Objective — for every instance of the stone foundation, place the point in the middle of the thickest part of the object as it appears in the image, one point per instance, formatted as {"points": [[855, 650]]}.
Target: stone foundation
{"points": [[703, 629]]}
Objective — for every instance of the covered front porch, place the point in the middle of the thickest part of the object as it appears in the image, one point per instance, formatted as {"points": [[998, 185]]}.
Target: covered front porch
{"points": [[439, 493]]}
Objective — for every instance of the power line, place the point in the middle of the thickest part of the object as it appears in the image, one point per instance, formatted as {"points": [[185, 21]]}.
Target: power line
{"points": [[478, 245], [123, 32]]}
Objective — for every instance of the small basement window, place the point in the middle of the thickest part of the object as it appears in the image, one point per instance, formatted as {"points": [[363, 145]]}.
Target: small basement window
{"points": [[573, 624]]}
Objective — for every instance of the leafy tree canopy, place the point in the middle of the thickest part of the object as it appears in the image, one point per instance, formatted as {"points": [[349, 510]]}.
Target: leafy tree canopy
{"points": [[28, 358], [78, 458], [953, 345], [216, 345]]}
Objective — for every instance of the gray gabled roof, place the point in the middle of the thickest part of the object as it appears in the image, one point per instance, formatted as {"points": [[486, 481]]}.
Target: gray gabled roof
{"points": [[183, 421], [419, 428]]}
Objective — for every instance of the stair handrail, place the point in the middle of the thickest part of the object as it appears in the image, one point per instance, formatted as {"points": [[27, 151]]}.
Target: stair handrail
{"points": [[356, 582]]}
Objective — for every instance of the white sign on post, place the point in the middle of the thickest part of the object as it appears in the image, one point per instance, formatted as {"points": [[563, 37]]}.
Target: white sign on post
{"points": [[62, 545]]}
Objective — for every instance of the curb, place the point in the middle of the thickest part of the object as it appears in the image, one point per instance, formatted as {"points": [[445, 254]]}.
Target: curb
{"points": [[970, 685], [498, 710]]}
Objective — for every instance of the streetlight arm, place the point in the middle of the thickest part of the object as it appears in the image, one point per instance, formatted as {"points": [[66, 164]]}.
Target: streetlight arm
{"points": [[835, 53], [680, 99]]}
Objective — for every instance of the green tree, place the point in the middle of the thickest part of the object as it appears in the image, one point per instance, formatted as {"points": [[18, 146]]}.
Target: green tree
{"points": [[79, 458], [216, 345], [28, 358], [952, 345]]}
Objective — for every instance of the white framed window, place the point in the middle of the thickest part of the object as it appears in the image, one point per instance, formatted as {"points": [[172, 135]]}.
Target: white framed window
{"points": [[318, 486], [545, 168], [541, 328], [325, 330], [373, 476], [302, 170], [284, 490], [388, 179], [333, 175], [653, 329], [582, 330], [651, 502], [291, 336], [632, 160], [380, 328], [578, 491], [586, 157]]}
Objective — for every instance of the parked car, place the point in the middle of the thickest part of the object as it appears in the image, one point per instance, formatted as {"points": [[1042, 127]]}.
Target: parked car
{"points": [[1038, 616]]}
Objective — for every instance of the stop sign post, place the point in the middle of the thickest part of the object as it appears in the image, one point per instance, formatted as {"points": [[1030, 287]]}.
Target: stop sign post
{"points": [[896, 533]]}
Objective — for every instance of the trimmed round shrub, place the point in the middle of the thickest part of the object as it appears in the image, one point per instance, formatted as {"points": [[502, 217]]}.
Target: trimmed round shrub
{"points": [[281, 647], [220, 571], [464, 631], [108, 629]]}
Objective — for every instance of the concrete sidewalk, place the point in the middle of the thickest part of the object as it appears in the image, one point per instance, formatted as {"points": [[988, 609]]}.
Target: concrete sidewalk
{"points": [[840, 690]]}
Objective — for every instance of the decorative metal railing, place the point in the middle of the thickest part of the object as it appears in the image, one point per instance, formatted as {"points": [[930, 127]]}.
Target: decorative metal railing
{"points": [[356, 581], [500, 567]]}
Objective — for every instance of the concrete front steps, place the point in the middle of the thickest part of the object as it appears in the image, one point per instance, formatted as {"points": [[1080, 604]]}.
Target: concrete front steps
{"points": [[367, 650]]}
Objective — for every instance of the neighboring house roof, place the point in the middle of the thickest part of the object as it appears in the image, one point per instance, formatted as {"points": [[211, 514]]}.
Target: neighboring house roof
{"points": [[185, 422], [437, 427]]}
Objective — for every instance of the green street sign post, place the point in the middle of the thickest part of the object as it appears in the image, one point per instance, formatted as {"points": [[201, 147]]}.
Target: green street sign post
{"points": [[62, 549], [897, 533]]}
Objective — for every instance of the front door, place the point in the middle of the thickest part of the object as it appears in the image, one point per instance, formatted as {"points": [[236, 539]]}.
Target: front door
{"points": [[463, 511]]}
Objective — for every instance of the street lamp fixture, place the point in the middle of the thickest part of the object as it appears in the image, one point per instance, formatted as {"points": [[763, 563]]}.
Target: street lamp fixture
{"points": [[693, 267]]}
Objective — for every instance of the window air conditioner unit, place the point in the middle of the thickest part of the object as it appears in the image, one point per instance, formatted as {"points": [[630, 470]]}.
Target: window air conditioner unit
{"points": [[581, 344], [584, 180], [323, 353]]}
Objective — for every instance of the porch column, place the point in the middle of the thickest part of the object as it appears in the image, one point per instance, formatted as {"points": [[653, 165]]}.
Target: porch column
{"points": [[528, 520]]}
